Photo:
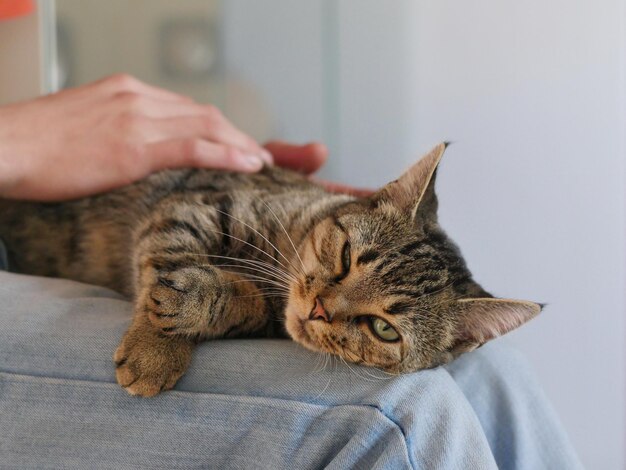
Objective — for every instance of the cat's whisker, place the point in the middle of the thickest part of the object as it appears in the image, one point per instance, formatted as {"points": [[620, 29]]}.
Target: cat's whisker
{"points": [[324, 360], [355, 372], [265, 294], [330, 376], [256, 270], [250, 245], [255, 278], [263, 281], [259, 271], [374, 376], [258, 233], [320, 363], [390, 374], [382, 371], [348, 366], [271, 289], [219, 232], [282, 289], [288, 237], [259, 263], [327, 358], [327, 361], [255, 262], [349, 354], [316, 365]]}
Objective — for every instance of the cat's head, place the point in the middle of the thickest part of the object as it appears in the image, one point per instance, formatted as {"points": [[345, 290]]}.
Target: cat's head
{"points": [[384, 286]]}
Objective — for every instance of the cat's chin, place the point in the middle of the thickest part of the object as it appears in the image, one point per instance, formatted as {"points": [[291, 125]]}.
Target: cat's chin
{"points": [[295, 328], [305, 341]]}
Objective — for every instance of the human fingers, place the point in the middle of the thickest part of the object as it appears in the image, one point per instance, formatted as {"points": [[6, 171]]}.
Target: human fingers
{"points": [[344, 189], [211, 126], [306, 158], [193, 152]]}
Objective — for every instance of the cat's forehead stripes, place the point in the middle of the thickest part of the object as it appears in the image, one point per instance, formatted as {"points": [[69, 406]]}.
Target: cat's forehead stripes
{"points": [[338, 224], [400, 307], [368, 256]]}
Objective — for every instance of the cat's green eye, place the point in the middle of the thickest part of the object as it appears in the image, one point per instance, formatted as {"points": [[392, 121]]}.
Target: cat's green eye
{"points": [[383, 330], [345, 258]]}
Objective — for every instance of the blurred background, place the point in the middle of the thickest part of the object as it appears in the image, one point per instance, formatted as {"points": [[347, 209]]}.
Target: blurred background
{"points": [[531, 93]]}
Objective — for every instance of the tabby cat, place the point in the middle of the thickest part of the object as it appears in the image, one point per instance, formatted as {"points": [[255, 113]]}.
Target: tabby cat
{"points": [[213, 254]]}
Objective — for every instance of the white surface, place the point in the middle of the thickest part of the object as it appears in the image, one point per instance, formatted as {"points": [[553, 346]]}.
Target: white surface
{"points": [[532, 94]]}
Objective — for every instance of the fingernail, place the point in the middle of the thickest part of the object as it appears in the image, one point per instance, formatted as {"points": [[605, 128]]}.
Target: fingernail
{"points": [[267, 157], [252, 162]]}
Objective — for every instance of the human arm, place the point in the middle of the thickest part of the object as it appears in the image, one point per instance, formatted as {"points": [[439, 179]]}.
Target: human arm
{"points": [[115, 131]]}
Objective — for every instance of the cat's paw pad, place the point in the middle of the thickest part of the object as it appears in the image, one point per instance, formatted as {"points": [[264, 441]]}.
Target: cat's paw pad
{"points": [[148, 366]]}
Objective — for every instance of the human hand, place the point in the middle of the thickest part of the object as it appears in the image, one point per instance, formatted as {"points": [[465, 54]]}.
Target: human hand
{"points": [[115, 131], [110, 133], [308, 159]]}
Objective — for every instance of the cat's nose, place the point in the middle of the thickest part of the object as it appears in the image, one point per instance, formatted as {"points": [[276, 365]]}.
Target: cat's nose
{"points": [[319, 312]]}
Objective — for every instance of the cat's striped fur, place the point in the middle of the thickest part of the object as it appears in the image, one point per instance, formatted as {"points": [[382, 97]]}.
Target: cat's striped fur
{"points": [[209, 254]]}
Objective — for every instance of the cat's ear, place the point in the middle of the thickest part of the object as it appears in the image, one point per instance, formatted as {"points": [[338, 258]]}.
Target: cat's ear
{"points": [[481, 320], [415, 190]]}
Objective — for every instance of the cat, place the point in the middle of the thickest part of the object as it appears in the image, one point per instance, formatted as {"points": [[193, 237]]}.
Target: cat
{"points": [[213, 254]]}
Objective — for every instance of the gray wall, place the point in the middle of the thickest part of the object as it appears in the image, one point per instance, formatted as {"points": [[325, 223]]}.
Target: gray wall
{"points": [[19, 72], [532, 94]]}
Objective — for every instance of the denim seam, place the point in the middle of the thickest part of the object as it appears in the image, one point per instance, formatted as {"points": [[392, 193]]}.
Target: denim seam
{"points": [[400, 428]]}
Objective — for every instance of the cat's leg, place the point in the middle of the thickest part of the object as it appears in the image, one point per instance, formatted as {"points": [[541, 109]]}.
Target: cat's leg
{"points": [[176, 310], [180, 299], [203, 302]]}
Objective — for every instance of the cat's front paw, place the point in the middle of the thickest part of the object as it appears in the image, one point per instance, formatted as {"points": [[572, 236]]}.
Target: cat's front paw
{"points": [[176, 303], [148, 363]]}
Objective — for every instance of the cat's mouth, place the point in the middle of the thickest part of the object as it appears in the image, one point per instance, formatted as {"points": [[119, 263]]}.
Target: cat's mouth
{"points": [[298, 324]]}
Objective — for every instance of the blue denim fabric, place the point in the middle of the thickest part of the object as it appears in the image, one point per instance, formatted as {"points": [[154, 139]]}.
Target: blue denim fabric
{"points": [[249, 403]]}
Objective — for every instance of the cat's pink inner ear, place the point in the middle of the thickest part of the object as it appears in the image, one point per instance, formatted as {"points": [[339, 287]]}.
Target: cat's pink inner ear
{"points": [[481, 320], [407, 192]]}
